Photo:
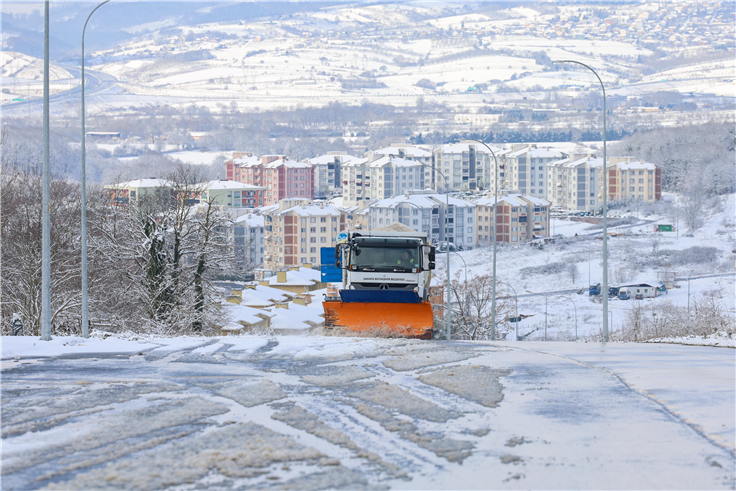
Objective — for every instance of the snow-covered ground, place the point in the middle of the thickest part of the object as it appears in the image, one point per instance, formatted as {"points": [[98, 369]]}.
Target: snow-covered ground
{"points": [[541, 281], [316, 412]]}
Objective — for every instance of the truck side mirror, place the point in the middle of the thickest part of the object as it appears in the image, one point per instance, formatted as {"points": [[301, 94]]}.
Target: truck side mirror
{"points": [[431, 254], [431, 265], [337, 252], [338, 264]]}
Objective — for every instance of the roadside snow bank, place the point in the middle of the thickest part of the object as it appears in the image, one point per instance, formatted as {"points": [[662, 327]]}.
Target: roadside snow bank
{"points": [[32, 346], [719, 339]]}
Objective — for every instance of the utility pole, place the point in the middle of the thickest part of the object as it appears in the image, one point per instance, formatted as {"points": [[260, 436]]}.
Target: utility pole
{"points": [[46, 212]]}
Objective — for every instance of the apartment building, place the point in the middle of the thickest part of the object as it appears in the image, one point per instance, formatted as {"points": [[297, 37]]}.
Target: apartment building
{"points": [[526, 169], [356, 217], [233, 194], [573, 183], [382, 178], [467, 166], [520, 218], [247, 239], [129, 192], [280, 176], [426, 212], [295, 229], [408, 152], [630, 180], [328, 172]]}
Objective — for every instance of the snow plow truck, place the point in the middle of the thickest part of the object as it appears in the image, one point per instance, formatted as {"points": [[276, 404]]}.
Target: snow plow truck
{"points": [[385, 283]]}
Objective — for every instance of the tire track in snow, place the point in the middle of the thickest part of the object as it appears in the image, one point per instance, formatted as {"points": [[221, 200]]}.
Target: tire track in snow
{"points": [[673, 413]]}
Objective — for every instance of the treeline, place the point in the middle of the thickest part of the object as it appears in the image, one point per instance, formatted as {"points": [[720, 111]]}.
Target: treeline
{"points": [[150, 264], [697, 160], [519, 136]]}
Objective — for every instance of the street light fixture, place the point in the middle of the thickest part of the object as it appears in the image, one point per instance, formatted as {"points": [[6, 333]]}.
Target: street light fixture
{"points": [[85, 292], [605, 204], [495, 242]]}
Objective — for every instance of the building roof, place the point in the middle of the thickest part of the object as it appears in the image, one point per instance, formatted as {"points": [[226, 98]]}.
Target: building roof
{"points": [[292, 164], [330, 158], [251, 220], [408, 150], [300, 277], [223, 184], [305, 209], [465, 147], [513, 200], [428, 200], [636, 165], [246, 161], [146, 182], [533, 152]]}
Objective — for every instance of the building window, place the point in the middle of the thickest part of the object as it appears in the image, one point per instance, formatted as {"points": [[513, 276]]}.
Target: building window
{"points": [[323, 239], [312, 249], [313, 239], [323, 229]]}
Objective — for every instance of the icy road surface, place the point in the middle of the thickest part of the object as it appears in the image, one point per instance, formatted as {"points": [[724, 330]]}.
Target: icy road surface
{"points": [[350, 413]]}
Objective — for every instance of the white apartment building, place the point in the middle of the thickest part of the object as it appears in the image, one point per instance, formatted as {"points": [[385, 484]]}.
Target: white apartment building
{"points": [[382, 178], [467, 166], [407, 152], [574, 183], [526, 169], [426, 212], [295, 229], [328, 172], [248, 239]]}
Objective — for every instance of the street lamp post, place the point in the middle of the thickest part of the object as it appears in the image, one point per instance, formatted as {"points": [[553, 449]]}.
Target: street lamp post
{"points": [[495, 244], [605, 204], [688, 292], [46, 193], [85, 292]]}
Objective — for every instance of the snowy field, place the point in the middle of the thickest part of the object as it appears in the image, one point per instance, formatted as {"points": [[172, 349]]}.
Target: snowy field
{"points": [[315, 412], [536, 281]]}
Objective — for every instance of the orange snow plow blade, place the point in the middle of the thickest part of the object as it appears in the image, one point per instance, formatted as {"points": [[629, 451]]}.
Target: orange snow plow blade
{"points": [[413, 320]]}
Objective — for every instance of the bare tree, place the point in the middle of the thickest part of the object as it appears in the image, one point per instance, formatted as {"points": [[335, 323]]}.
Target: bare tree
{"points": [[472, 302]]}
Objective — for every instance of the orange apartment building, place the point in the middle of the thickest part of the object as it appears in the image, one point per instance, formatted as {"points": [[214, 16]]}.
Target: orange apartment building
{"points": [[296, 229], [280, 176], [520, 218], [630, 180]]}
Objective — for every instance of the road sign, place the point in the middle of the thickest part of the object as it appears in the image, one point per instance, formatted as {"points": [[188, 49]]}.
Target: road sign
{"points": [[17, 326]]}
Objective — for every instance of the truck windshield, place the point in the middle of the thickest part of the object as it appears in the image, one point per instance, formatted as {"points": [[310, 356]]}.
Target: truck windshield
{"points": [[385, 255]]}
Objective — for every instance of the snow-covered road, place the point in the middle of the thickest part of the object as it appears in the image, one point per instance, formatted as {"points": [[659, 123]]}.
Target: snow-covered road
{"points": [[354, 413]]}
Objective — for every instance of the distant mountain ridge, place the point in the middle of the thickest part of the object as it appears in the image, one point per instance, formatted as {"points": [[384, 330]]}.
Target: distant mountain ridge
{"points": [[115, 22]]}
